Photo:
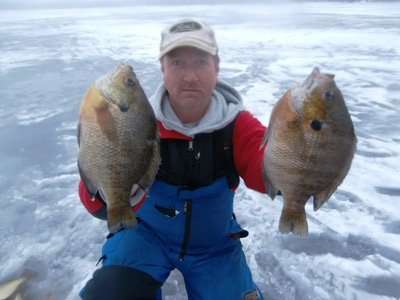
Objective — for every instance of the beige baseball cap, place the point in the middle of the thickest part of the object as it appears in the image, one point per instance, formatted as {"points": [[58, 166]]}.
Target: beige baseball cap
{"points": [[188, 33]]}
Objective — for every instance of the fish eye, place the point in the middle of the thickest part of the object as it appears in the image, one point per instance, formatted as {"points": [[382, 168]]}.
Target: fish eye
{"points": [[328, 95], [129, 81], [316, 125]]}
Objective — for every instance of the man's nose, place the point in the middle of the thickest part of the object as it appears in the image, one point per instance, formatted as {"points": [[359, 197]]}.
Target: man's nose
{"points": [[190, 75]]}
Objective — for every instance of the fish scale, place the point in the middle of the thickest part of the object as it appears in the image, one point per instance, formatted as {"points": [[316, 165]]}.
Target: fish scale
{"points": [[9, 288]]}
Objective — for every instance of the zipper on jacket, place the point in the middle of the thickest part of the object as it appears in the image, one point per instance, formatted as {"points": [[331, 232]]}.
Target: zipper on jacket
{"points": [[188, 213], [191, 163], [191, 156], [193, 175], [190, 145]]}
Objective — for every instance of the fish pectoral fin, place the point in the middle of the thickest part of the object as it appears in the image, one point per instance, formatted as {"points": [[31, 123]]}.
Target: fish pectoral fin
{"points": [[90, 187], [18, 297], [78, 133], [106, 121], [120, 217], [147, 180], [295, 222], [8, 288], [102, 195], [272, 192], [264, 140]]}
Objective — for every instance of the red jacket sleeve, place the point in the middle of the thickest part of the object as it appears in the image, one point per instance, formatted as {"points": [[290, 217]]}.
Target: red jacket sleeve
{"points": [[247, 136]]}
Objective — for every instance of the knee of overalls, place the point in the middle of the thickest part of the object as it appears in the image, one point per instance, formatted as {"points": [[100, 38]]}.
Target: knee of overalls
{"points": [[222, 274], [122, 283], [133, 264], [139, 249]]}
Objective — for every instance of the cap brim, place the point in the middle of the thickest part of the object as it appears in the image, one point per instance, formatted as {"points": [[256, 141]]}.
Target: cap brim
{"points": [[189, 43]]}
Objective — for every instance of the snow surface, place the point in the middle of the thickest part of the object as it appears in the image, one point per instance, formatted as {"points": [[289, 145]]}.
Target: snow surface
{"points": [[48, 58]]}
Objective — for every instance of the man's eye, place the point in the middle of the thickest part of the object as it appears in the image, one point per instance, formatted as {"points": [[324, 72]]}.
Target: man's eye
{"points": [[177, 63], [202, 62]]}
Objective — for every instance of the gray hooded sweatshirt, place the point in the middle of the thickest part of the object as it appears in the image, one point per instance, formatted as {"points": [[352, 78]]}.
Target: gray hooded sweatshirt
{"points": [[225, 104]]}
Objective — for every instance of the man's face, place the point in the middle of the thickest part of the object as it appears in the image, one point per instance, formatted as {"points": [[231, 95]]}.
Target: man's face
{"points": [[190, 76]]}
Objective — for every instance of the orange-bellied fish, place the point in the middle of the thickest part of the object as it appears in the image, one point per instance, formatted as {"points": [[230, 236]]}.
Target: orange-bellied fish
{"points": [[118, 139], [310, 145], [10, 288]]}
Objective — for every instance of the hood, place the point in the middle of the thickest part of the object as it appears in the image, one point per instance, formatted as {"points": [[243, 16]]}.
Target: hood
{"points": [[225, 105]]}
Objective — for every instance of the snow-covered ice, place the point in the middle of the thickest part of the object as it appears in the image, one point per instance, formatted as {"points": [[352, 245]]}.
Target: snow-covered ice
{"points": [[48, 59]]}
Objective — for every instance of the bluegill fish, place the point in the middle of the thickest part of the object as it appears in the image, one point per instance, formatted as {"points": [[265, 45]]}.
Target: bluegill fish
{"points": [[18, 297], [310, 146], [118, 139], [9, 288]]}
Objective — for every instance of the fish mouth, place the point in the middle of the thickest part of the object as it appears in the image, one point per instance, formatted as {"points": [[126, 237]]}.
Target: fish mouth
{"points": [[305, 92], [122, 105], [310, 80], [115, 100], [110, 91], [316, 78]]}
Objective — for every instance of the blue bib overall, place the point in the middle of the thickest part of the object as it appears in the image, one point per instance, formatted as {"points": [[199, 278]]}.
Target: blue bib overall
{"points": [[181, 226]]}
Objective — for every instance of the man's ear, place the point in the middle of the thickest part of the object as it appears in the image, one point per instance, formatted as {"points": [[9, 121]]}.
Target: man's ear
{"points": [[162, 61], [217, 71]]}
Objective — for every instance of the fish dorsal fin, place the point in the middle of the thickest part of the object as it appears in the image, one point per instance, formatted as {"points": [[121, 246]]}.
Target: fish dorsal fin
{"points": [[320, 199]]}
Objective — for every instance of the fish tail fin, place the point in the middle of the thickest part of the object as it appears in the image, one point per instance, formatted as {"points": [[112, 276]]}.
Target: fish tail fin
{"points": [[293, 222], [118, 218]]}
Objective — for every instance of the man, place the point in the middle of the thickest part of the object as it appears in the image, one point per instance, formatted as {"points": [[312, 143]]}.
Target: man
{"points": [[207, 142]]}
